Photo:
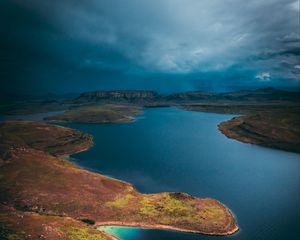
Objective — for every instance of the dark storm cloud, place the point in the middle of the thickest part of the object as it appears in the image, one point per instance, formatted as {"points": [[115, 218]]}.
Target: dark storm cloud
{"points": [[58, 42]]}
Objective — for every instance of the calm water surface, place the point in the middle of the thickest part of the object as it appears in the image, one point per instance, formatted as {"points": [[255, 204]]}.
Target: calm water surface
{"points": [[173, 150]]}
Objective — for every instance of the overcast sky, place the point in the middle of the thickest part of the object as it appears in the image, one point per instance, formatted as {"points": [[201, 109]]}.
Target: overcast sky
{"points": [[168, 45]]}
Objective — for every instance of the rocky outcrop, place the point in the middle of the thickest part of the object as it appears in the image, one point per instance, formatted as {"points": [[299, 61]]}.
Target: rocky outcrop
{"points": [[118, 96], [192, 96]]}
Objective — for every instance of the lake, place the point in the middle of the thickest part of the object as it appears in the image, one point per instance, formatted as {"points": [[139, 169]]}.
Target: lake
{"points": [[167, 149]]}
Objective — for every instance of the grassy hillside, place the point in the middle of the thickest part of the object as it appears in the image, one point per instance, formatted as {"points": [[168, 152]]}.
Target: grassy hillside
{"points": [[105, 113], [36, 182], [275, 129]]}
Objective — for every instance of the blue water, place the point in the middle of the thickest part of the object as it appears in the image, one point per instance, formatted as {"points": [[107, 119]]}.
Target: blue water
{"points": [[173, 150]]}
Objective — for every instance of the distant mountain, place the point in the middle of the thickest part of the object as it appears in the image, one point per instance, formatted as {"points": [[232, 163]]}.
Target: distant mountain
{"points": [[192, 96], [148, 97], [262, 94], [118, 96]]}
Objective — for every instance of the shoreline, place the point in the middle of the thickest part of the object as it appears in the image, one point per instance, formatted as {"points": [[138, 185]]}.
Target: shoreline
{"points": [[127, 120], [246, 129], [145, 225], [161, 227], [230, 225]]}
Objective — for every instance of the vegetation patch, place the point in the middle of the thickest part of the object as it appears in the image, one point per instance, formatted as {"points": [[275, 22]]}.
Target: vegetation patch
{"points": [[121, 202], [99, 113], [77, 233], [275, 129]]}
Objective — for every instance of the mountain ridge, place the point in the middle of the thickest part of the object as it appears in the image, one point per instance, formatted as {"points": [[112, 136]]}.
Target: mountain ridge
{"points": [[266, 94]]}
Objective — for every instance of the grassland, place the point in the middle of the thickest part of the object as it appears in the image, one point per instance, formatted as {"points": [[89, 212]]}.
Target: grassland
{"points": [[44, 196], [241, 108], [269, 124], [275, 129], [99, 113]]}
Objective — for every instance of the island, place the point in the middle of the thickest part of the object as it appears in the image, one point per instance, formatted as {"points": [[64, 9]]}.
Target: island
{"points": [[44, 196], [98, 113]]}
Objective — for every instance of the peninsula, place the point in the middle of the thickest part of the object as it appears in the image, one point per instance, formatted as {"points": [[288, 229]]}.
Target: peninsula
{"points": [[44, 196], [275, 129]]}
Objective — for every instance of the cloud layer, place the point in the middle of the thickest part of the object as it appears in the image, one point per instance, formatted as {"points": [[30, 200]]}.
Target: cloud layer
{"points": [[138, 38]]}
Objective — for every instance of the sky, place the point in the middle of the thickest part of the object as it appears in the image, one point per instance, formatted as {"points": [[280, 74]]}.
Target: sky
{"points": [[63, 46]]}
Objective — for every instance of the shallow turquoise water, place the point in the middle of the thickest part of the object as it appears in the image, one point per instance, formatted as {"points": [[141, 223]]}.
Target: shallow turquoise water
{"points": [[172, 150], [129, 233], [123, 232]]}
